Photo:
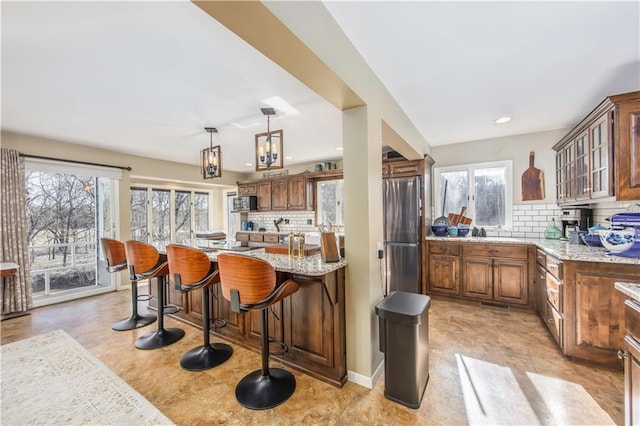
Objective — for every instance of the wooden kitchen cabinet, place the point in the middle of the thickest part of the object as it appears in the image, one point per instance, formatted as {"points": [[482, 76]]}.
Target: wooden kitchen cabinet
{"points": [[314, 325], [585, 163], [627, 146], [264, 195], [289, 194], [296, 193], [443, 268], [594, 311], [632, 363], [279, 194], [498, 272], [489, 272], [406, 168], [247, 189]]}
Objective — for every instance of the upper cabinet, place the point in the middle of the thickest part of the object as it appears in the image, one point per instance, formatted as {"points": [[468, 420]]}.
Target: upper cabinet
{"points": [[280, 194], [585, 167], [627, 146]]}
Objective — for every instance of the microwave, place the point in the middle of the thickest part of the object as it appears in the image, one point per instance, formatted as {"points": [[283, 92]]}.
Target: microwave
{"points": [[245, 203]]}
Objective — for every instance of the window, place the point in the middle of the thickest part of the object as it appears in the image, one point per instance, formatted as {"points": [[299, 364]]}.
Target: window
{"points": [[485, 189], [69, 207], [330, 210], [160, 216], [139, 230]]}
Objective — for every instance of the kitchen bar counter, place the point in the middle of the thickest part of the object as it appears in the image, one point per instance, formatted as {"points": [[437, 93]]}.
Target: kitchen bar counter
{"points": [[311, 321], [560, 249], [312, 266]]}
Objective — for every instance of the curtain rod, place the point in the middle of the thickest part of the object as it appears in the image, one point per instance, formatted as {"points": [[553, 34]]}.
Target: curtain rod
{"points": [[76, 162]]}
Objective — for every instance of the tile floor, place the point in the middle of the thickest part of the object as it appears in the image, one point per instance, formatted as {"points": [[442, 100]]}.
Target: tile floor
{"points": [[487, 366]]}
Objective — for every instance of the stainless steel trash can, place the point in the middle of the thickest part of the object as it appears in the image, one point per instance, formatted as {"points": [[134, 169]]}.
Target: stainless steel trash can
{"points": [[404, 338]]}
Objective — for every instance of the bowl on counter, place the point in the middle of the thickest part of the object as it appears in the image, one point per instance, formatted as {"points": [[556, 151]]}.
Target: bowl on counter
{"points": [[592, 240], [440, 230], [463, 230], [617, 240]]}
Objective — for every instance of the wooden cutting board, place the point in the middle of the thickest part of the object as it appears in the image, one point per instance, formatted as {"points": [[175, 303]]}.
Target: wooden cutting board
{"points": [[532, 182], [309, 249]]}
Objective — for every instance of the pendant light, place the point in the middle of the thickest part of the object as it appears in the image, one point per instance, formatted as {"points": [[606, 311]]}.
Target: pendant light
{"points": [[269, 146], [211, 158]]}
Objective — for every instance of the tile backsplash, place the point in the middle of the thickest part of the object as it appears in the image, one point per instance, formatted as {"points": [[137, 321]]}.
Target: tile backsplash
{"points": [[530, 220], [301, 221]]}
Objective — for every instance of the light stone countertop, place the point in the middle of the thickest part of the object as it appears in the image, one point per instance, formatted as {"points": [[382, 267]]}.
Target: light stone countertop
{"points": [[309, 265], [560, 249], [630, 289]]}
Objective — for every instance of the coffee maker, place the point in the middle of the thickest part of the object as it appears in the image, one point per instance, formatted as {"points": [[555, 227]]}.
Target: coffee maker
{"points": [[577, 219]]}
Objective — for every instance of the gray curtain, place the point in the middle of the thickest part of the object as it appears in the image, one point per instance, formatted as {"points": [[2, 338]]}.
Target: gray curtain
{"points": [[16, 290]]}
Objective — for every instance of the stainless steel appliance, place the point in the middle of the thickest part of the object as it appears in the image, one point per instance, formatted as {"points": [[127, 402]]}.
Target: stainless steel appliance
{"points": [[402, 249], [578, 219], [245, 203]]}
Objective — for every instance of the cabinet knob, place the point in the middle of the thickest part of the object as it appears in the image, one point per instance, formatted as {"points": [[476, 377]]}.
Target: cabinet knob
{"points": [[622, 355], [551, 321]]}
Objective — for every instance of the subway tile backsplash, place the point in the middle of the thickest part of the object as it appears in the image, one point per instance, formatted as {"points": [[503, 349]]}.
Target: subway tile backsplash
{"points": [[301, 221]]}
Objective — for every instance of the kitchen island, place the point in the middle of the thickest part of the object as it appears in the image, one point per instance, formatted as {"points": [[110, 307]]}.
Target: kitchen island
{"points": [[572, 287], [311, 322]]}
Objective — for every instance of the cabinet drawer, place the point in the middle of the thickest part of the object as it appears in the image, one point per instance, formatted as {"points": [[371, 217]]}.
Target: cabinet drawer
{"points": [[554, 266], [554, 323], [632, 318], [271, 238], [255, 237], [444, 248], [541, 258], [242, 236], [495, 250], [554, 291]]}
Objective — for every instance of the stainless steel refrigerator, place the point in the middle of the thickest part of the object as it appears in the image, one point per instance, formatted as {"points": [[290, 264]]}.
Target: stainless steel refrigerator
{"points": [[401, 198]]}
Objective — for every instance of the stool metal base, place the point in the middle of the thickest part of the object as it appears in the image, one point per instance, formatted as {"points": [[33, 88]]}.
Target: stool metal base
{"points": [[205, 357], [159, 338], [259, 392], [133, 322]]}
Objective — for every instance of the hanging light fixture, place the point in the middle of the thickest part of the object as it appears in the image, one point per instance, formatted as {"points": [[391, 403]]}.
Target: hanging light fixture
{"points": [[269, 146], [211, 158]]}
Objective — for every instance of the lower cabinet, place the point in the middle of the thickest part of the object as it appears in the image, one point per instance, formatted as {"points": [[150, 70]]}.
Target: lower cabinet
{"points": [[631, 357], [443, 268], [594, 328], [489, 272]]}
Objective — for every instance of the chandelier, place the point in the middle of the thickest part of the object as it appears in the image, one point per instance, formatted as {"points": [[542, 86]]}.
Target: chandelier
{"points": [[269, 146], [211, 158]]}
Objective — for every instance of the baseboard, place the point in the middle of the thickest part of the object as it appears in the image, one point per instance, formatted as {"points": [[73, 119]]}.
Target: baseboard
{"points": [[366, 381]]}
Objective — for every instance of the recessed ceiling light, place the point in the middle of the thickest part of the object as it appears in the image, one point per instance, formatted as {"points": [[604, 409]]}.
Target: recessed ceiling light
{"points": [[288, 157], [248, 164], [502, 120], [281, 105], [339, 148]]}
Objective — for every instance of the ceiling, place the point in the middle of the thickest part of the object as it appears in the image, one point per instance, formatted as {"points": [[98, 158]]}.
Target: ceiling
{"points": [[145, 78]]}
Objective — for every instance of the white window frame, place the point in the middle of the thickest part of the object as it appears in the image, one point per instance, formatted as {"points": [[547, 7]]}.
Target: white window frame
{"points": [[471, 207], [172, 214]]}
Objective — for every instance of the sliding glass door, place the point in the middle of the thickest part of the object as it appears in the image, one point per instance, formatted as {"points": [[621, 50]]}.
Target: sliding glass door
{"points": [[69, 209]]}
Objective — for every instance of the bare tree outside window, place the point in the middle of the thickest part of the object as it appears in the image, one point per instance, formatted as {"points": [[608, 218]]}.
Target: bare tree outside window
{"points": [[61, 210]]}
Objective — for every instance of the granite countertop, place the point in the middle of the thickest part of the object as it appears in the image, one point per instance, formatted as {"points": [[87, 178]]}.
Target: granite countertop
{"points": [[630, 289], [309, 265], [560, 249]]}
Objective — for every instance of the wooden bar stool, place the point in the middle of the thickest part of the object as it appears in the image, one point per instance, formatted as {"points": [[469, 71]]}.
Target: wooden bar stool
{"points": [[191, 270], [117, 261], [145, 263], [250, 284]]}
